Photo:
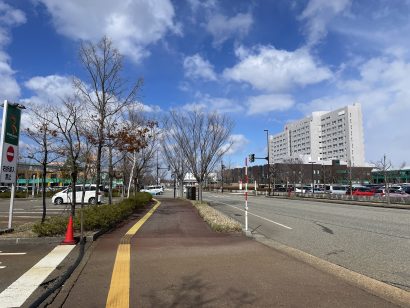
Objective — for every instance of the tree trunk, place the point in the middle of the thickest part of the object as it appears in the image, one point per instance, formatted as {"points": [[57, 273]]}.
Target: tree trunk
{"points": [[200, 188], [110, 174], [134, 162], [386, 184], [99, 155], [43, 217], [181, 188], [74, 191]]}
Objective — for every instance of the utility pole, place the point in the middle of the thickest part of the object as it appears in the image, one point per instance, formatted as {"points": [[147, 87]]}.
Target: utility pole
{"points": [[267, 158], [350, 178], [157, 170]]}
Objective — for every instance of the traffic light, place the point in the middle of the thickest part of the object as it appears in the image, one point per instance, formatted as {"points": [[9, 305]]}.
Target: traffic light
{"points": [[251, 158]]}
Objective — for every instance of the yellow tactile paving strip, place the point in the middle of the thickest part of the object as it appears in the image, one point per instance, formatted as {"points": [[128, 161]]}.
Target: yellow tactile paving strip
{"points": [[119, 293]]}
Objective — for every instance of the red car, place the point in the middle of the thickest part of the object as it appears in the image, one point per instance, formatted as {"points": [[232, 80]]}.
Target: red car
{"points": [[361, 191]]}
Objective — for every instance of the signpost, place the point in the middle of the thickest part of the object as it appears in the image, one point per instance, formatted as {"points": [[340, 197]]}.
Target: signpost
{"points": [[10, 134], [246, 194]]}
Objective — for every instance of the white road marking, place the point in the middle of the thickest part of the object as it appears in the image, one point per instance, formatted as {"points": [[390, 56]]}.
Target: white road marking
{"points": [[274, 222], [12, 253], [18, 292]]}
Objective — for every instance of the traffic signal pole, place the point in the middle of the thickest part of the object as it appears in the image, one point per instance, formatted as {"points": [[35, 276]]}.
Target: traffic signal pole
{"points": [[252, 159]]}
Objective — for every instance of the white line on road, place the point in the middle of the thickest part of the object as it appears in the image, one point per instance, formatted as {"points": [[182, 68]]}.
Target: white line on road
{"points": [[18, 292], [274, 222], [12, 253]]}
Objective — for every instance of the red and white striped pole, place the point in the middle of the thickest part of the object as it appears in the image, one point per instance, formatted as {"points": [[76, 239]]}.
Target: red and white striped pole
{"points": [[246, 194]]}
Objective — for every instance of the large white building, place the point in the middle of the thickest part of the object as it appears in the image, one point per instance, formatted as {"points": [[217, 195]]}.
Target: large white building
{"points": [[321, 138]]}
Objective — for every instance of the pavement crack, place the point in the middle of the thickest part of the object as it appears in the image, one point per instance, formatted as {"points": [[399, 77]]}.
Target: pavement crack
{"points": [[335, 252], [254, 230], [324, 229], [46, 283]]}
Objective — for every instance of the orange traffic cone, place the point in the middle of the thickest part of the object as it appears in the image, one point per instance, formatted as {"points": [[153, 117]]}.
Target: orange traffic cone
{"points": [[69, 236]]}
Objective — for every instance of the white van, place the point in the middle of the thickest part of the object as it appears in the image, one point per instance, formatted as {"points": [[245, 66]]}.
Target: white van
{"points": [[66, 195], [337, 189]]}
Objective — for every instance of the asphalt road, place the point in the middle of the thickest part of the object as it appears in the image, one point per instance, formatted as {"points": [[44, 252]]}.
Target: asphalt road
{"points": [[27, 210], [368, 240]]}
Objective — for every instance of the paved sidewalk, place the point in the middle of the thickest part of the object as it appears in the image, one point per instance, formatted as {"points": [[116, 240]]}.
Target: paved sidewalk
{"points": [[177, 261]]}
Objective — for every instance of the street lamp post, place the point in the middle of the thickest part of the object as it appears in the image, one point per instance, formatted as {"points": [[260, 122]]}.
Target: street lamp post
{"points": [[267, 158], [222, 176], [157, 181], [313, 181], [33, 186]]}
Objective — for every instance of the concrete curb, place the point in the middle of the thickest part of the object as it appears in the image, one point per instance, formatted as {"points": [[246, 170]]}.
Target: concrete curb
{"points": [[39, 240], [31, 240], [58, 298], [392, 294], [4, 231]]}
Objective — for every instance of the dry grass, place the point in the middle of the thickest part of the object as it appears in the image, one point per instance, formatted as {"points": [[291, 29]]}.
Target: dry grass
{"points": [[21, 231], [216, 220]]}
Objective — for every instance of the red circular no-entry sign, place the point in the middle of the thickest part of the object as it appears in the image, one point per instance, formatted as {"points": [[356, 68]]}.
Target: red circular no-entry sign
{"points": [[10, 154]]}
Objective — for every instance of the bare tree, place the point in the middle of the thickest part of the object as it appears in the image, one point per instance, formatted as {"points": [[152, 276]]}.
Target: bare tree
{"points": [[203, 139], [136, 139], [44, 149], [107, 93], [384, 166], [68, 121], [175, 159], [295, 170]]}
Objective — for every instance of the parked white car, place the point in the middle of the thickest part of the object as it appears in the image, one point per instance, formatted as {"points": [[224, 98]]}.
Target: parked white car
{"points": [[66, 195], [153, 189]]}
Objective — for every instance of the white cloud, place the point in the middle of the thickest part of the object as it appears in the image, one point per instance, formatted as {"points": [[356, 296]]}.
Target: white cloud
{"points": [[9, 17], [197, 67], [9, 87], [132, 25], [222, 28], [202, 4], [318, 14], [269, 69], [239, 143], [267, 103], [49, 89], [150, 108], [221, 105]]}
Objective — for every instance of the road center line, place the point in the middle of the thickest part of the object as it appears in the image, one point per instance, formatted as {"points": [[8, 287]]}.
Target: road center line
{"points": [[271, 221], [119, 292]]}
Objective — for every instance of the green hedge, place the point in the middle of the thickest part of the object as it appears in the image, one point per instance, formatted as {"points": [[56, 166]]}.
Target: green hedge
{"points": [[95, 217], [24, 194]]}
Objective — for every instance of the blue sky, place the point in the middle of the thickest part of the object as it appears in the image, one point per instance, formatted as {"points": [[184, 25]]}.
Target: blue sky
{"points": [[263, 63]]}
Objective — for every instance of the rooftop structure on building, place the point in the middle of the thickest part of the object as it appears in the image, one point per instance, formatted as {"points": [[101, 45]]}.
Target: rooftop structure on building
{"points": [[322, 137]]}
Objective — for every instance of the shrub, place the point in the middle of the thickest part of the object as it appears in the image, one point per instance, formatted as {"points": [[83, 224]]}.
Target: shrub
{"points": [[24, 194], [51, 226], [215, 219], [96, 217]]}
